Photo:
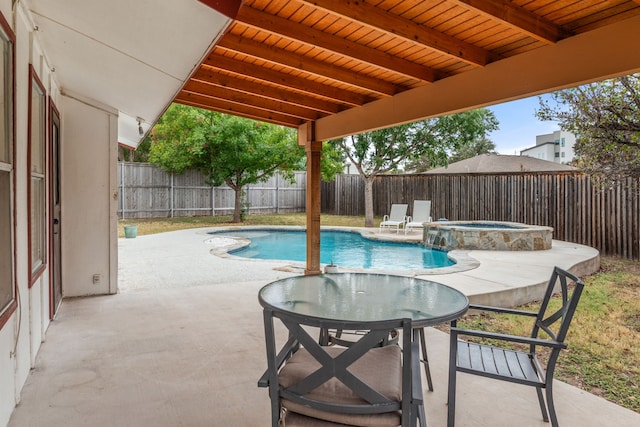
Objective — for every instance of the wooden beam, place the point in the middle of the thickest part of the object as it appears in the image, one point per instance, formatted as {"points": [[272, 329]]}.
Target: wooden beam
{"points": [[294, 31], [245, 98], [600, 54], [519, 18], [284, 79], [227, 107], [271, 92], [393, 24], [309, 65]]}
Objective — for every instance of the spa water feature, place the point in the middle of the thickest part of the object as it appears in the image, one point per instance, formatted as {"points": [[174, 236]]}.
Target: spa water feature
{"points": [[487, 235]]}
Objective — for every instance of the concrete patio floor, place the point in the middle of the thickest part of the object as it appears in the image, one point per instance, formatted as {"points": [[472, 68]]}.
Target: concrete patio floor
{"points": [[182, 345]]}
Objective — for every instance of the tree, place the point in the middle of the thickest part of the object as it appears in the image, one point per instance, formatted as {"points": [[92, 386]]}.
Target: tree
{"points": [[459, 133], [605, 117], [481, 145], [228, 149], [175, 147], [332, 161], [427, 141], [239, 152]]}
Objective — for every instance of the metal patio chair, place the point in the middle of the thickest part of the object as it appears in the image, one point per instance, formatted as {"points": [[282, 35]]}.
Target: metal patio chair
{"points": [[364, 384], [521, 367]]}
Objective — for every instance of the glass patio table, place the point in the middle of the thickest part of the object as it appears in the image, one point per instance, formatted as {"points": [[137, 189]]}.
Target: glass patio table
{"points": [[363, 297]]}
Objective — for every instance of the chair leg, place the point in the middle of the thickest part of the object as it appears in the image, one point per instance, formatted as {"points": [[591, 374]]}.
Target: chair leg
{"points": [[451, 395], [543, 406], [425, 359], [422, 420], [551, 405]]}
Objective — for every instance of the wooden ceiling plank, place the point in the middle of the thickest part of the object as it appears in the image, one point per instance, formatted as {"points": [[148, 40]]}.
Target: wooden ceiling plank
{"points": [[604, 17], [313, 37], [237, 109], [320, 68], [580, 59], [523, 20], [280, 93], [258, 100], [394, 24], [287, 80]]}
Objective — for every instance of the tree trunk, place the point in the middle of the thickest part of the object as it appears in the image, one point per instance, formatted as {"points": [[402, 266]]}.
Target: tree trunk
{"points": [[368, 201], [237, 208]]}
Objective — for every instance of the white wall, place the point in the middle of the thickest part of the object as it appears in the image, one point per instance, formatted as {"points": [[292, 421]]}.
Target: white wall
{"points": [[7, 373], [548, 145], [16, 344], [89, 198], [544, 151]]}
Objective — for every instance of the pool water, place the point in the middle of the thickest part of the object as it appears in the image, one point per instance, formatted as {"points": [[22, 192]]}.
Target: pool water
{"points": [[345, 249]]}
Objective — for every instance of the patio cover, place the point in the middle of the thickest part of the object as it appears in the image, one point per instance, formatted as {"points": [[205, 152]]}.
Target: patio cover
{"points": [[334, 68]]}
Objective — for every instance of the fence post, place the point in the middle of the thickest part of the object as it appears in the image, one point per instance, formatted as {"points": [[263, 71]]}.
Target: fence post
{"points": [[122, 189], [247, 200], [213, 201], [277, 190], [171, 194]]}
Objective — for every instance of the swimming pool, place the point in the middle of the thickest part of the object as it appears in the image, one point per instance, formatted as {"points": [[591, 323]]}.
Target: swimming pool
{"points": [[345, 249]]}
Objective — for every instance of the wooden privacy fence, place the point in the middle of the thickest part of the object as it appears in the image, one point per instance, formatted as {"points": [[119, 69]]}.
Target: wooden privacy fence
{"points": [[608, 220], [146, 191]]}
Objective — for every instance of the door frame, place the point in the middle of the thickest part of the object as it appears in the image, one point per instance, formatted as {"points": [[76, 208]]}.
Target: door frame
{"points": [[55, 207]]}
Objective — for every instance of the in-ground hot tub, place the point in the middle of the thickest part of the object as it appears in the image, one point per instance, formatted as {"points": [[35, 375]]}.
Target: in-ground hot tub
{"points": [[487, 235]]}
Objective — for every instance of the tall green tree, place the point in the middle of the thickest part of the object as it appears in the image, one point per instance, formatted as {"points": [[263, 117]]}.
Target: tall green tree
{"points": [[175, 146], [428, 141], [474, 148], [228, 149], [239, 152], [605, 117]]}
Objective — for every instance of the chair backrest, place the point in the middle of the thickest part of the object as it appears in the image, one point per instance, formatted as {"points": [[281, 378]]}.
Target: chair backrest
{"points": [[421, 210], [554, 320], [398, 212], [315, 373]]}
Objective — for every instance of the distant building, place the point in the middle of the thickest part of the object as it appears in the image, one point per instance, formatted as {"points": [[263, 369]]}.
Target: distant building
{"points": [[554, 147]]}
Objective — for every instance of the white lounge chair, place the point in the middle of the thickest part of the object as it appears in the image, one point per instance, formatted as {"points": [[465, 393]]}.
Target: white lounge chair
{"points": [[421, 214], [397, 218]]}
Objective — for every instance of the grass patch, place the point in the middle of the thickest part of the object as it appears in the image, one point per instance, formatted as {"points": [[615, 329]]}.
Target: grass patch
{"points": [[160, 225], [603, 356]]}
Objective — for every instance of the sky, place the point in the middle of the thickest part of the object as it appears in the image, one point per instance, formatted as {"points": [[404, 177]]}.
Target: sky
{"points": [[518, 125]]}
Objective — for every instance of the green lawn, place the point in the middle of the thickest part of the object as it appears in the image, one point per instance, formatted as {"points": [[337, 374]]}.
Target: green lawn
{"points": [[604, 341]]}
